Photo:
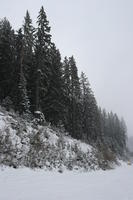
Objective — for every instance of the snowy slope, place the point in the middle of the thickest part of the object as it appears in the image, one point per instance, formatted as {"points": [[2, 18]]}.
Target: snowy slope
{"points": [[26, 184], [24, 143]]}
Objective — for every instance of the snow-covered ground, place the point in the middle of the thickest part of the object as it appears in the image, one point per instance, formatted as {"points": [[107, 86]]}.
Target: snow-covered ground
{"points": [[26, 184]]}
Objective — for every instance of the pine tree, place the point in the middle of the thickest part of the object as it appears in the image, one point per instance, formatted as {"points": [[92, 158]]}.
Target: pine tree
{"points": [[6, 58], [29, 40], [114, 133], [74, 84], [66, 89], [103, 122], [19, 92], [90, 113], [42, 71], [28, 54], [123, 131], [53, 106], [74, 107]]}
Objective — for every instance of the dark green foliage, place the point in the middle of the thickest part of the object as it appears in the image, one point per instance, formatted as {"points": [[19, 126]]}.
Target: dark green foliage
{"points": [[19, 91], [75, 127], [6, 58], [42, 63], [28, 54], [90, 114], [72, 94], [53, 105], [66, 86]]}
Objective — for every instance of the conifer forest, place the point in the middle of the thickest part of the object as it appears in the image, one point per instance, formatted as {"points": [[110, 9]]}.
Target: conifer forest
{"points": [[37, 83]]}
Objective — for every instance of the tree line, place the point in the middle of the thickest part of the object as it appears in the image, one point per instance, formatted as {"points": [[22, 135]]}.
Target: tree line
{"points": [[33, 78]]}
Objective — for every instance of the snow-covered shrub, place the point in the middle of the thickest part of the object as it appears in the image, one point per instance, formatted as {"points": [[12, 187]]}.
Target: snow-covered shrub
{"points": [[39, 118]]}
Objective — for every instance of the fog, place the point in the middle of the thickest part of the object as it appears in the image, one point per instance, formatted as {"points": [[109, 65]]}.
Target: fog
{"points": [[100, 36]]}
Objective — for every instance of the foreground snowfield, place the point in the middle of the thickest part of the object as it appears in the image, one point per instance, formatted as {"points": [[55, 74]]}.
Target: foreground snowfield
{"points": [[26, 184]]}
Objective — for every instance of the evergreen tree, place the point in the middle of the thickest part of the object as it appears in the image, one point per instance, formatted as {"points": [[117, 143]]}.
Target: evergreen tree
{"points": [[28, 54], [74, 84], [104, 125], [74, 96], [6, 58], [42, 71], [114, 133], [90, 114], [66, 76], [123, 131], [53, 106], [66, 89], [19, 92]]}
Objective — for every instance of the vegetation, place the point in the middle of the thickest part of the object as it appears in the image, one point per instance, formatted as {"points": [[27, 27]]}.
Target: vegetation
{"points": [[33, 78]]}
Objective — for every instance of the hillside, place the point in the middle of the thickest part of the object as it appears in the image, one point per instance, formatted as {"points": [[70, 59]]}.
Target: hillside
{"points": [[28, 144]]}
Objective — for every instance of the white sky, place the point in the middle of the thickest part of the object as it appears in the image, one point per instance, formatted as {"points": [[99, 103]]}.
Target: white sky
{"points": [[99, 34]]}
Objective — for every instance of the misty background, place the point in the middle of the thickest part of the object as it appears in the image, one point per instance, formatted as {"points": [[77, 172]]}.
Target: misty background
{"points": [[100, 36]]}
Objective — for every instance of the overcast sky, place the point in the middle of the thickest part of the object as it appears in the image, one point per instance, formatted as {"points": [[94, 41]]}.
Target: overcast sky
{"points": [[99, 33]]}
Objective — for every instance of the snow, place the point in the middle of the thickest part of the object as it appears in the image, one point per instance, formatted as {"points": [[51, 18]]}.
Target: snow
{"points": [[38, 112], [26, 184], [83, 146], [2, 121], [52, 136]]}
